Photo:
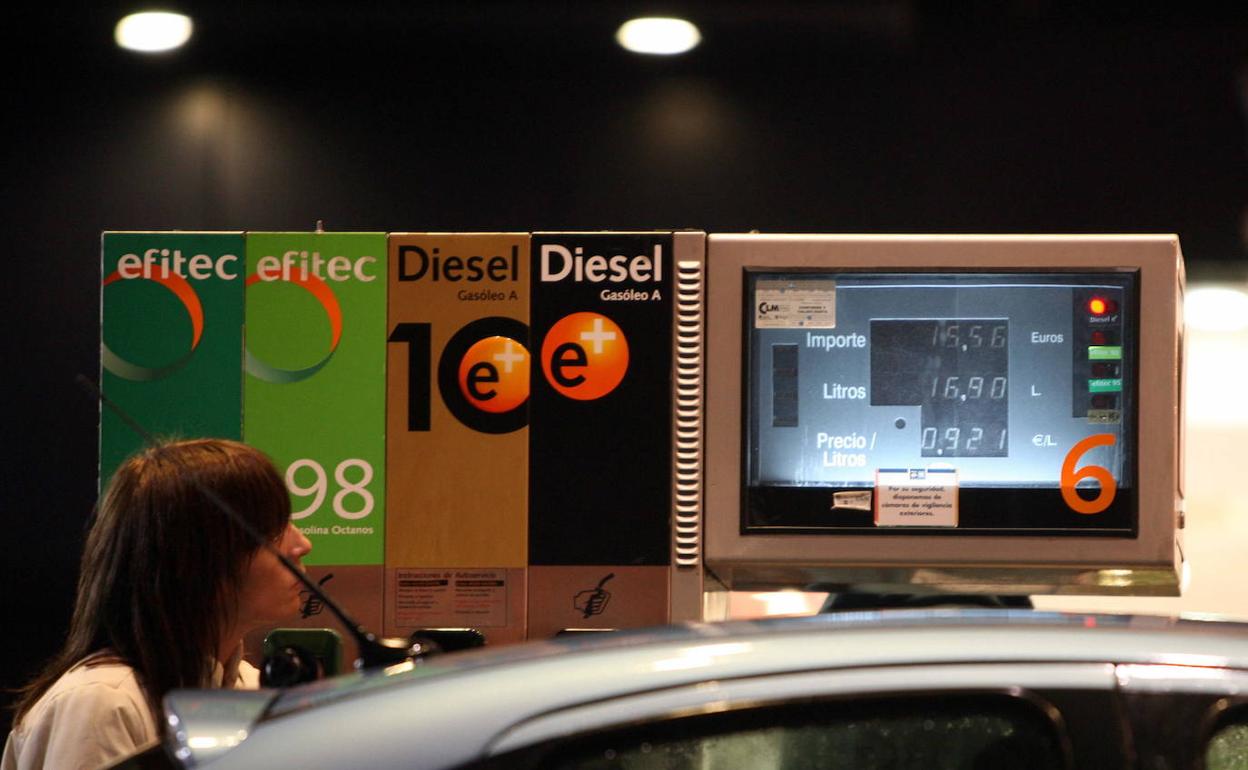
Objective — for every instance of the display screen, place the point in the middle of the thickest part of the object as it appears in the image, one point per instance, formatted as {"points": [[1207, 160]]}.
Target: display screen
{"points": [[965, 411], [987, 392]]}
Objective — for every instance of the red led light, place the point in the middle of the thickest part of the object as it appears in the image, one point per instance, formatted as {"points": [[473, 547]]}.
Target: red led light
{"points": [[1100, 306], [1100, 338]]}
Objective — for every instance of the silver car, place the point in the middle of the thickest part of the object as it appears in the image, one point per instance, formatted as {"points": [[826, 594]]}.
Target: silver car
{"points": [[938, 689]]}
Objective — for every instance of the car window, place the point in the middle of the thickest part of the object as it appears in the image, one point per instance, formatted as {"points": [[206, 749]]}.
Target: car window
{"points": [[933, 733], [1228, 749]]}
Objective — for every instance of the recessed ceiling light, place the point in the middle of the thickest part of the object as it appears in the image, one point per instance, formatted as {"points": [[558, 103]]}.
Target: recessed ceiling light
{"points": [[153, 31], [1216, 309], [658, 35]]}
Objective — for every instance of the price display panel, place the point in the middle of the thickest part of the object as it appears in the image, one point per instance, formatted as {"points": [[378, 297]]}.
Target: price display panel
{"points": [[956, 402]]}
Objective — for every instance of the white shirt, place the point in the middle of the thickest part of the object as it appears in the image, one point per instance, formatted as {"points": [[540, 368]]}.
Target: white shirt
{"points": [[93, 716]]}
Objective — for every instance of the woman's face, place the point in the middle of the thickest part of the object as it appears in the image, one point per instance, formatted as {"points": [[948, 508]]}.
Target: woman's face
{"points": [[268, 593]]}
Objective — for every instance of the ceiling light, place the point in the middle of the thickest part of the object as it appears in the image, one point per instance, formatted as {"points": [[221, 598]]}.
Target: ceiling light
{"points": [[656, 35], [152, 32], [1216, 309]]}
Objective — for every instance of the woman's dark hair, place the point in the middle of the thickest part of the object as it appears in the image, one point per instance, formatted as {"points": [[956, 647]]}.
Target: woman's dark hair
{"points": [[162, 564]]}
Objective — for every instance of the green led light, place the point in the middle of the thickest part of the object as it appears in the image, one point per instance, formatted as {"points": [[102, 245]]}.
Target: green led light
{"points": [[1105, 353], [1105, 386]]}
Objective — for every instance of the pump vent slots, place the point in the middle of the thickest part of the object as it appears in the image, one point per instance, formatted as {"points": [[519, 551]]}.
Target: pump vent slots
{"points": [[688, 428]]}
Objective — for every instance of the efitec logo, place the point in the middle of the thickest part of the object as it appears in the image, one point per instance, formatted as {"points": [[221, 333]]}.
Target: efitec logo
{"points": [[169, 269], [585, 356], [320, 290], [309, 272]]}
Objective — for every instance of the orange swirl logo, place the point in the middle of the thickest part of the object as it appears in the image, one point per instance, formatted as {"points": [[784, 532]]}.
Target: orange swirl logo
{"points": [[320, 290], [181, 289]]}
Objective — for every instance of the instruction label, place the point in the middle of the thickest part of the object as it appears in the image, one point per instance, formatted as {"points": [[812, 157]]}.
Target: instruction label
{"points": [[913, 497], [451, 597]]}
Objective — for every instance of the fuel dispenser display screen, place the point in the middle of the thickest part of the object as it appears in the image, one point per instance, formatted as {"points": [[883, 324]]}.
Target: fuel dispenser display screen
{"points": [[960, 402]]}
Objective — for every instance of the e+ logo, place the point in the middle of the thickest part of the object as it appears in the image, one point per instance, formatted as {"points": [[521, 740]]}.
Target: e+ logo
{"points": [[585, 356]]}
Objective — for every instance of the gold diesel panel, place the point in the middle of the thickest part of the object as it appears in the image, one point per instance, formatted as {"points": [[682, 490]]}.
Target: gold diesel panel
{"points": [[457, 449]]}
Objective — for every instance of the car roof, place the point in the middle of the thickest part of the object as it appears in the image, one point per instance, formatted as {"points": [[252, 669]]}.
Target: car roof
{"points": [[495, 689], [859, 638]]}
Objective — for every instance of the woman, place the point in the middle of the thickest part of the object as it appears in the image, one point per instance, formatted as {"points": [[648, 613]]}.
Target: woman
{"points": [[169, 584]]}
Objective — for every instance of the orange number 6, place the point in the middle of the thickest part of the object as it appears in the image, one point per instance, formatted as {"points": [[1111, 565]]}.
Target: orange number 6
{"points": [[1071, 477]]}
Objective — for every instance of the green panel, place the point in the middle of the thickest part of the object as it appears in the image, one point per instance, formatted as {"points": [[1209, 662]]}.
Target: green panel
{"points": [[1105, 386], [315, 391], [155, 288], [1105, 353]]}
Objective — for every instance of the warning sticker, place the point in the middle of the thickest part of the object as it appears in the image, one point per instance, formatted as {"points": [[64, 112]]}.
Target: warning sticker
{"points": [[451, 597], [790, 305], [914, 497]]}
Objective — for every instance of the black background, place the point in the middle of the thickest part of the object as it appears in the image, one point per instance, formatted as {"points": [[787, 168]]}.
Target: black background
{"points": [[981, 511], [870, 116], [907, 347], [600, 471]]}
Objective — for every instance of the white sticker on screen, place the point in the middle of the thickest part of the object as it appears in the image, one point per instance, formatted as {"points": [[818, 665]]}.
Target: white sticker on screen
{"points": [[915, 497], [791, 305], [852, 500]]}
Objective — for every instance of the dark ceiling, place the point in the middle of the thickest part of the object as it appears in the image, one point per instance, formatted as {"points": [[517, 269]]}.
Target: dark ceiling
{"points": [[879, 116]]}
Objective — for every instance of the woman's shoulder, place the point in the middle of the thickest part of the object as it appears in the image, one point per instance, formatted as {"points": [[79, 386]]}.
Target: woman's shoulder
{"points": [[92, 714], [101, 670], [97, 683]]}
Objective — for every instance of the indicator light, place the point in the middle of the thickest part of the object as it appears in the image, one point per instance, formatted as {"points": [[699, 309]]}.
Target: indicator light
{"points": [[1100, 338], [1102, 306]]}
